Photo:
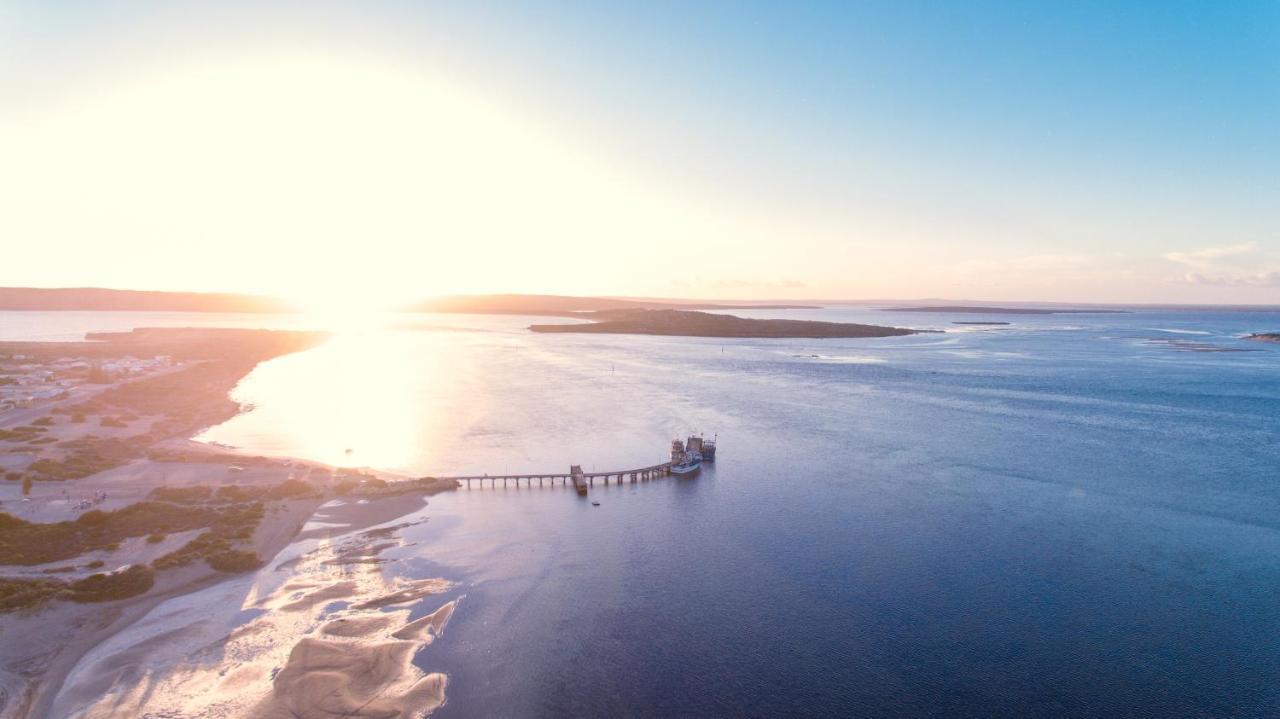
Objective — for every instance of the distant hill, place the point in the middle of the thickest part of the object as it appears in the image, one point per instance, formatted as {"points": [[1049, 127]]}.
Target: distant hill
{"points": [[686, 323], [94, 298], [565, 304]]}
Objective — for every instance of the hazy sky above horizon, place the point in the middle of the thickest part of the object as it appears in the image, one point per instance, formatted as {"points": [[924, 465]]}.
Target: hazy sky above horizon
{"points": [[382, 151]]}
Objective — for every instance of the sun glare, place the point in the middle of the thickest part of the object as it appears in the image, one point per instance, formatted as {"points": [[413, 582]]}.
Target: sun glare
{"points": [[334, 182]]}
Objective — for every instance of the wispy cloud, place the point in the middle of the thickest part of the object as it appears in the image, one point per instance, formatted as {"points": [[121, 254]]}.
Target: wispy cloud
{"points": [[1240, 265]]}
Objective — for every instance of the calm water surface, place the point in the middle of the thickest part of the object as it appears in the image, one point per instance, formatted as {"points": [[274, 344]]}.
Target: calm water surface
{"points": [[1074, 515]]}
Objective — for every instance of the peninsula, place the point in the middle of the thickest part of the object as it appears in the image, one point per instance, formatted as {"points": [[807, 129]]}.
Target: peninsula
{"points": [[688, 323], [107, 508], [100, 299]]}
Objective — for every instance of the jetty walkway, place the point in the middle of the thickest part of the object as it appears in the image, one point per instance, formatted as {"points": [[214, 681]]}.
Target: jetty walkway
{"points": [[567, 478]]}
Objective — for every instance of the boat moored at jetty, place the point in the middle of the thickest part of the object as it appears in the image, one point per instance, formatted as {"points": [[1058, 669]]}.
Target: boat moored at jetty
{"points": [[687, 456]]}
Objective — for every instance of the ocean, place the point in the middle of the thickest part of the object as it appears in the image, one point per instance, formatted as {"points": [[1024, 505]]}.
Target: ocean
{"points": [[1069, 515]]}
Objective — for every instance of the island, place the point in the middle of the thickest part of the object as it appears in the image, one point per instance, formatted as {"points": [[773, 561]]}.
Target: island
{"points": [[689, 323], [973, 322], [1264, 337], [984, 310]]}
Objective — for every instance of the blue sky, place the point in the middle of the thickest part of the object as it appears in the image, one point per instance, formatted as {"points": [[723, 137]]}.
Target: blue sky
{"points": [[1109, 151]]}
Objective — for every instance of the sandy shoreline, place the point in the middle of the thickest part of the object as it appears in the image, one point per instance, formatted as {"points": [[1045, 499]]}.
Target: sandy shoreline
{"points": [[33, 674], [45, 646]]}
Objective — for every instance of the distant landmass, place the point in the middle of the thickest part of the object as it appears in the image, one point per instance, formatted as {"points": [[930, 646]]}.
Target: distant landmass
{"points": [[983, 310], [971, 322], [688, 323], [1264, 337], [557, 305], [95, 298]]}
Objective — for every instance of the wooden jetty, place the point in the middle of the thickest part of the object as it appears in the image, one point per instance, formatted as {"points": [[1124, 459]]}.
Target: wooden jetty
{"points": [[575, 476]]}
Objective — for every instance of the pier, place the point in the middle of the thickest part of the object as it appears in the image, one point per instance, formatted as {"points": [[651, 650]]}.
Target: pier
{"points": [[570, 478], [685, 459]]}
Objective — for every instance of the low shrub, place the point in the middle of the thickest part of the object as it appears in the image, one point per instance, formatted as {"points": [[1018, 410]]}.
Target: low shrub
{"points": [[130, 582], [235, 560]]}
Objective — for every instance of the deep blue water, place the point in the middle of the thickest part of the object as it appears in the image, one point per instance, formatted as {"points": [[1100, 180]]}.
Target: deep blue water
{"points": [[1070, 517]]}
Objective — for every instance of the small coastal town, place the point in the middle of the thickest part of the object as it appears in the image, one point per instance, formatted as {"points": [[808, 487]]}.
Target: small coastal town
{"points": [[26, 382]]}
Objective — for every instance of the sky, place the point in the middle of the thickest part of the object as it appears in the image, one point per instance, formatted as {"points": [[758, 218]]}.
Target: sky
{"points": [[379, 152]]}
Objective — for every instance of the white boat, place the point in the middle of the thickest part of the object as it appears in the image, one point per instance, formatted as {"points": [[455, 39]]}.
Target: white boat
{"points": [[687, 467], [686, 459]]}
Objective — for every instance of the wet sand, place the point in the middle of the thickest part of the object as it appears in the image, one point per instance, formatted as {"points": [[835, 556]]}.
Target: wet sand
{"points": [[41, 647], [52, 660], [313, 634]]}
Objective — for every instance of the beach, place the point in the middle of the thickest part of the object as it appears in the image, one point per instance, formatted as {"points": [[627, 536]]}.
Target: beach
{"points": [[219, 643], [51, 642], [43, 646]]}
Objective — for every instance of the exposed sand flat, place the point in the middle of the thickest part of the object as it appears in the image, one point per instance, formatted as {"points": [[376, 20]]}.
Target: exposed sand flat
{"points": [[305, 637], [41, 648], [429, 627], [411, 591], [326, 678]]}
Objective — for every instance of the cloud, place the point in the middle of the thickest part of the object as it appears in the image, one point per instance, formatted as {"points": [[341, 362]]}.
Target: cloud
{"points": [[1213, 256], [1260, 279], [1241, 265]]}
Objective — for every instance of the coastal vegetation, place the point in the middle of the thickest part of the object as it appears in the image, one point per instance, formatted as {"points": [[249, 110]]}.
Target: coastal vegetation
{"points": [[87, 455], [229, 515], [687, 323], [32, 543], [209, 363], [17, 594], [24, 433]]}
